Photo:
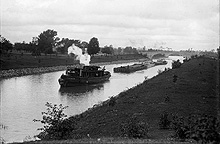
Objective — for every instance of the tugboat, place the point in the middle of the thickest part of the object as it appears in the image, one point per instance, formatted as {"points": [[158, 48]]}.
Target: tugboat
{"points": [[84, 75]]}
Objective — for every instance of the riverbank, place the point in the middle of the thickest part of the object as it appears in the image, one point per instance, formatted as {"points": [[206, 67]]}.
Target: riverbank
{"points": [[38, 70], [194, 92]]}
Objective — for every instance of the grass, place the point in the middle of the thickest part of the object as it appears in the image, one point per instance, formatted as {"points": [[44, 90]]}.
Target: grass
{"points": [[194, 92], [17, 60]]}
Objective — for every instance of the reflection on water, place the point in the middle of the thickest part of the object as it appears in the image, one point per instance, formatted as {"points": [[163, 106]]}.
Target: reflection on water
{"points": [[79, 90], [24, 98]]}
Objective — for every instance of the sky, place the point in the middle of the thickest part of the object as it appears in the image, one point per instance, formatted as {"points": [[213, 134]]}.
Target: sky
{"points": [[177, 24]]}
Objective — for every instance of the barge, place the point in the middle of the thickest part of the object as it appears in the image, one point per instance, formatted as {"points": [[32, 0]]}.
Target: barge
{"points": [[160, 62], [130, 68]]}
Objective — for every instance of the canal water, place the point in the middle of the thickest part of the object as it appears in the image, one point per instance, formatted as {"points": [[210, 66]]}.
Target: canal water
{"points": [[24, 98]]}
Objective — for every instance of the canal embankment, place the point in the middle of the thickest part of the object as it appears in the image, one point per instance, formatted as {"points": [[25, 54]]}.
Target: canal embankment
{"points": [[192, 91], [38, 70], [19, 65]]}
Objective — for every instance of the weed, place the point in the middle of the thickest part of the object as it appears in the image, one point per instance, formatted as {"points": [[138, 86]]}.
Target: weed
{"points": [[176, 64], [134, 128], [202, 128], [56, 126], [112, 101], [164, 122], [159, 71]]}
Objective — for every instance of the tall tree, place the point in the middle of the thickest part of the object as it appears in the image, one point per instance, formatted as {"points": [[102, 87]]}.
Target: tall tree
{"points": [[64, 44], [77, 43], [47, 41], [84, 44], [108, 50], [22, 46], [34, 47], [5, 45], [128, 50], [93, 47], [119, 50]]}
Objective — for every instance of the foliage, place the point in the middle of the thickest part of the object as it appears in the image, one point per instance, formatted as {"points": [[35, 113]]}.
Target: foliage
{"points": [[134, 128], [157, 56], [202, 128], [93, 46], [176, 64], [47, 41], [166, 69], [5, 45], [159, 71], [84, 44], [186, 60], [28, 47], [56, 126], [2, 126], [2, 141], [175, 78], [63, 44], [34, 47], [107, 50], [218, 50], [112, 101], [130, 50], [194, 56], [164, 122]]}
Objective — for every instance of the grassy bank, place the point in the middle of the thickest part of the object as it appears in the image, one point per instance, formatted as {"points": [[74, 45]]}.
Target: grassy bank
{"points": [[18, 61], [194, 92], [26, 64]]}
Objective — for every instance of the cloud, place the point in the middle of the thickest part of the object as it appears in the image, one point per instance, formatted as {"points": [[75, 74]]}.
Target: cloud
{"points": [[179, 23]]}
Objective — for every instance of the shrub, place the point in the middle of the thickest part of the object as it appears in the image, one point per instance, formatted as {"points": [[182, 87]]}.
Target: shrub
{"points": [[164, 122], [202, 128], [55, 123], [159, 71], [134, 128], [112, 101], [194, 56], [166, 69], [186, 59], [176, 64], [2, 127], [175, 78], [167, 99], [180, 128]]}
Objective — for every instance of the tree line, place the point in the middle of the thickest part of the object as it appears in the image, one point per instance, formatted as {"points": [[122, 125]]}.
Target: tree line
{"points": [[47, 42]]}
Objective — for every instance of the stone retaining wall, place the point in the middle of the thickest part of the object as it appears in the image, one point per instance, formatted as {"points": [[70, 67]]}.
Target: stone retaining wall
{"points": [[28, 71]]}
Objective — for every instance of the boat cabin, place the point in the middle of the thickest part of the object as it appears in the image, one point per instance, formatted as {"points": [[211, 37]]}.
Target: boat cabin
{"points": [[86, 71]]}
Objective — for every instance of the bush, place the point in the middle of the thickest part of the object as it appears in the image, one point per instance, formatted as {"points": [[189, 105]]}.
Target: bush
{"points": [[159, 71], [164, 122], [202, 128], [186, 60], [194, 56], [112, 101], [2, 127], [134, 128], [180, 128], [56, 126], [176, 64]]}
